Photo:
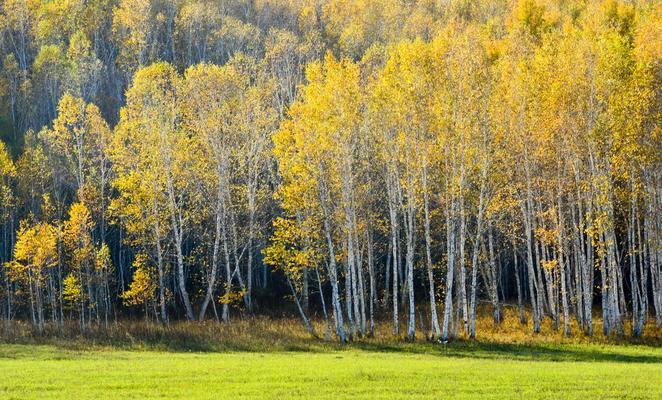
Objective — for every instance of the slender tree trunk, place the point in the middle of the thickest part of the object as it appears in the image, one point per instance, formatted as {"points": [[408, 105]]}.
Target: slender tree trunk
{"points": [[476, 246], [332, 269], [527, 211], [349, 267], [606, 316], [532, 287], [305, 302], [387, 273], [225, 313], [522, 316], [327, 331], [564, 294], [373, 289], [177, 233], [643, 273], [361, 280], [635, 289], [159, 266], [462, 289], [302, 313], [211, 280], [410, 218], [434, 321], [394, 248], [587, 271], [493, 279], [560, 253], [450, 222]]}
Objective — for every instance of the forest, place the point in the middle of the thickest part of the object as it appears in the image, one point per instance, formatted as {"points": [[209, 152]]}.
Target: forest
{"points": [[350, 163]]}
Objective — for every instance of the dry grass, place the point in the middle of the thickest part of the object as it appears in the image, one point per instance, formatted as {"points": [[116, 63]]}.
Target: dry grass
{"points": [[265, 334]]}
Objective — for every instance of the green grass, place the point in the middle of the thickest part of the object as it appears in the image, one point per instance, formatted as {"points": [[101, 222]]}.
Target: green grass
{"points": [[275, 358], [460, 370]]}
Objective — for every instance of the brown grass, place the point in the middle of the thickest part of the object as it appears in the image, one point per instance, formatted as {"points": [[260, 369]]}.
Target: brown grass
{"points": [[263, 334]]}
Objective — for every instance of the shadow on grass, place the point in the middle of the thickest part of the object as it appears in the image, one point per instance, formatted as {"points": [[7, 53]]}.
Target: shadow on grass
{"points": [[519, 352]]}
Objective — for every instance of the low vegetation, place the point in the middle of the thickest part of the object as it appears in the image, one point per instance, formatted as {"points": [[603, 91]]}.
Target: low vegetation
{"points": [[277, 358], [282, 334]]}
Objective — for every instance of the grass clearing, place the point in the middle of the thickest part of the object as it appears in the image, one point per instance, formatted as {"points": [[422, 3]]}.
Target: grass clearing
{"points": [[274, 358], [463, 370]]}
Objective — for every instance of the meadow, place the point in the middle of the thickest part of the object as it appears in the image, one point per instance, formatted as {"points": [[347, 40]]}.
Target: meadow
{"points": [[47, 372], [275, 358]]}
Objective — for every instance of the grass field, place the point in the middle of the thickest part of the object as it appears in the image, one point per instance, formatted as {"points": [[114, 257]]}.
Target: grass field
{"points": [[478, 371], [276, 359]]}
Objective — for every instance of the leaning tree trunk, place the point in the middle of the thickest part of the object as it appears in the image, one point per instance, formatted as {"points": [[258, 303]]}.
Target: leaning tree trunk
{"points": [[332, 270], [327, 330], [211, 281], [302, 313], [175, 218]]}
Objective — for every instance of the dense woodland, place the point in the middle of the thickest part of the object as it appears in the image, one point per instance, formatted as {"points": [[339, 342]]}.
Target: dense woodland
{"points": [[351, 161]]}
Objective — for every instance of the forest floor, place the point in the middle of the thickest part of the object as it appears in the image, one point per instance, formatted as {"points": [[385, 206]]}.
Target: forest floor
{"points": [[276, 358]]}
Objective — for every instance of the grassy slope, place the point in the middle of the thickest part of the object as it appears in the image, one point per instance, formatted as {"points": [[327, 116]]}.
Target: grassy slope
{"points": [[404, 371]]}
